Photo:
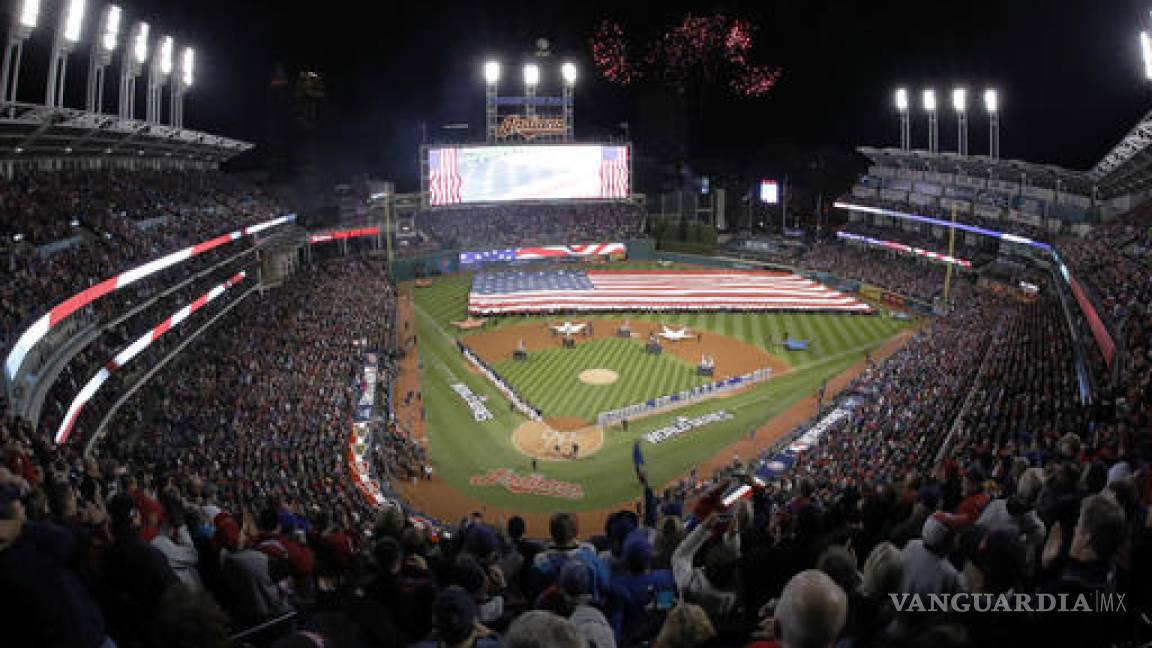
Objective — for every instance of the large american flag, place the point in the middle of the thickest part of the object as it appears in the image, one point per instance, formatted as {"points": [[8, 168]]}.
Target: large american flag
{"points": [[443, 176], [634, 290], [614, 172]]}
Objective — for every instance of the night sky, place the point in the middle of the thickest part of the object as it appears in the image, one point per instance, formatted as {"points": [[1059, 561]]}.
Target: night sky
{"points": [[1068, 71]]}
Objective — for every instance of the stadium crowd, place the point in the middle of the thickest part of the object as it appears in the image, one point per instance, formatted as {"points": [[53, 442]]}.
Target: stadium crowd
{"points": [[917, 278], [117, 219], [221, 499], [481, 228]]}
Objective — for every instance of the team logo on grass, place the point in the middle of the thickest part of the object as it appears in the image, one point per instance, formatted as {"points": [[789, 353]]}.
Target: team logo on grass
{"points": [[529, 484]]}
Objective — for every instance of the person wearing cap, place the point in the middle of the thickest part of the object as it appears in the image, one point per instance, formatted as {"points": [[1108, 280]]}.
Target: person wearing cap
{"points": [[636, 588], [134, 572], [456, 623], [925, 559]]}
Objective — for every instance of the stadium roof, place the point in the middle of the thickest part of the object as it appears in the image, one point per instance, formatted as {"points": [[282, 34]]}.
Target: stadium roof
{"points": [[982, 166], [1128, 166], [37, 131]]}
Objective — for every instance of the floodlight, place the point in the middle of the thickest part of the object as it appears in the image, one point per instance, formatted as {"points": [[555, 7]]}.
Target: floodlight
{"points": [[166, 56], [73, 20], [187, 60], [140, 42], [959, 99], [930, 100], [111, 28], [1146, 52], [902, 99], [991, 101], [531, 75], [568, 71], [29, 13], [492, 72]]}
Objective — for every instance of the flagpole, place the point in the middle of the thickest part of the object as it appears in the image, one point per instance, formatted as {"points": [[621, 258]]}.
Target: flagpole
{"points": [[951, 255]]}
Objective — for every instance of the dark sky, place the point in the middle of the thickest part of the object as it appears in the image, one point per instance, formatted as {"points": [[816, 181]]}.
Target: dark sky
{"points": [[1068, 71]]}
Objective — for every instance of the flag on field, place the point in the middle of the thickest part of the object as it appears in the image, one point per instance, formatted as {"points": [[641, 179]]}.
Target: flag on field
{"points": [[633, 290]]}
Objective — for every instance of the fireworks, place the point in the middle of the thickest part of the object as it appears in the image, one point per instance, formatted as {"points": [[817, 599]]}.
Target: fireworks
{"points": [[712, 50]]}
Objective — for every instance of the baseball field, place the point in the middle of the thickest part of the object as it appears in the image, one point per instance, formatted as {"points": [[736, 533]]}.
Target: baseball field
{"points": [[491, 461]]}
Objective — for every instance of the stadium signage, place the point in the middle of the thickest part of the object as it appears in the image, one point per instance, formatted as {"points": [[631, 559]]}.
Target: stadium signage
{"points": [[369, 377], [684, 424], [475, 403], [528, 484], [529, 127]]}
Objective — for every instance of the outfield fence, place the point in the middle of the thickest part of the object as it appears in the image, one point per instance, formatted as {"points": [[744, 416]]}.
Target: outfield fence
{"points": [[683, 397]]}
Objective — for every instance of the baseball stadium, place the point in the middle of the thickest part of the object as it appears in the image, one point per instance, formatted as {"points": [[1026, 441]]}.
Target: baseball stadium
{"points": [[680, 324]]}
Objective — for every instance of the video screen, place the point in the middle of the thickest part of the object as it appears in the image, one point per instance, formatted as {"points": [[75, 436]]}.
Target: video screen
{"points": [[484, 174]]}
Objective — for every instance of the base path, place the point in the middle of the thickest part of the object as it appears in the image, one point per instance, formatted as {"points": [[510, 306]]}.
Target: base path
{"points": [[733, 357]]}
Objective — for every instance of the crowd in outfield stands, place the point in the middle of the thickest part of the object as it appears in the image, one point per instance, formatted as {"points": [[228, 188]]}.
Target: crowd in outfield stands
{"points": [[487, 227], [222, 499], [917, 278], [112, 215]]}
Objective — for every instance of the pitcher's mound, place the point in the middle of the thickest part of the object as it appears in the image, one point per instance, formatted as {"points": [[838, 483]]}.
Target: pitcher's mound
{"points": [[599, 376], [540, 440]]}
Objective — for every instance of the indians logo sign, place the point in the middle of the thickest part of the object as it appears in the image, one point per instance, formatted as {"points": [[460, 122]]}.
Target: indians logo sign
{"points": [[529, 484], [529, 127]]}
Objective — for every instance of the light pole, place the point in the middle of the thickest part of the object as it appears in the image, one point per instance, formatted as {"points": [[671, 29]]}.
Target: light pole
{"points": [[992, 105], [101, 56], [531, 80], [960, 105], [18, 32], [157, 77], [130, 65], [568, 73], [1146, 53], [491, 78], [182, 85], [66, 38], [905, 122], [933, 124]]}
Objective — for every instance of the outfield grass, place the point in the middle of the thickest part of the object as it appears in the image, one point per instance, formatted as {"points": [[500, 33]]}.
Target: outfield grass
{"points": [[461, 447], [549, 378]]}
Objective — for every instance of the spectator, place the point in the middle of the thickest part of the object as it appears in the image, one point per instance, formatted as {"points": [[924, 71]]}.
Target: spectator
{"points": [[811, 612]]}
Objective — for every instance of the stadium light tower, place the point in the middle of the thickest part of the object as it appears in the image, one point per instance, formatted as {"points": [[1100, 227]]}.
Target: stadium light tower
{"points": [[905, 121], [933, 124], [158, 74], [67, 35], [181, 85], [992, 105], [1146, 53], [960, 105], [18, 32], [101, 56], [568, 73], [131, 62], [491, 78], [531, 80]]}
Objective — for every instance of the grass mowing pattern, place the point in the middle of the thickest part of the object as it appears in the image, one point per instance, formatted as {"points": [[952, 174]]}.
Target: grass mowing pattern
{"points": [[549, 378], [460, 447]]}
